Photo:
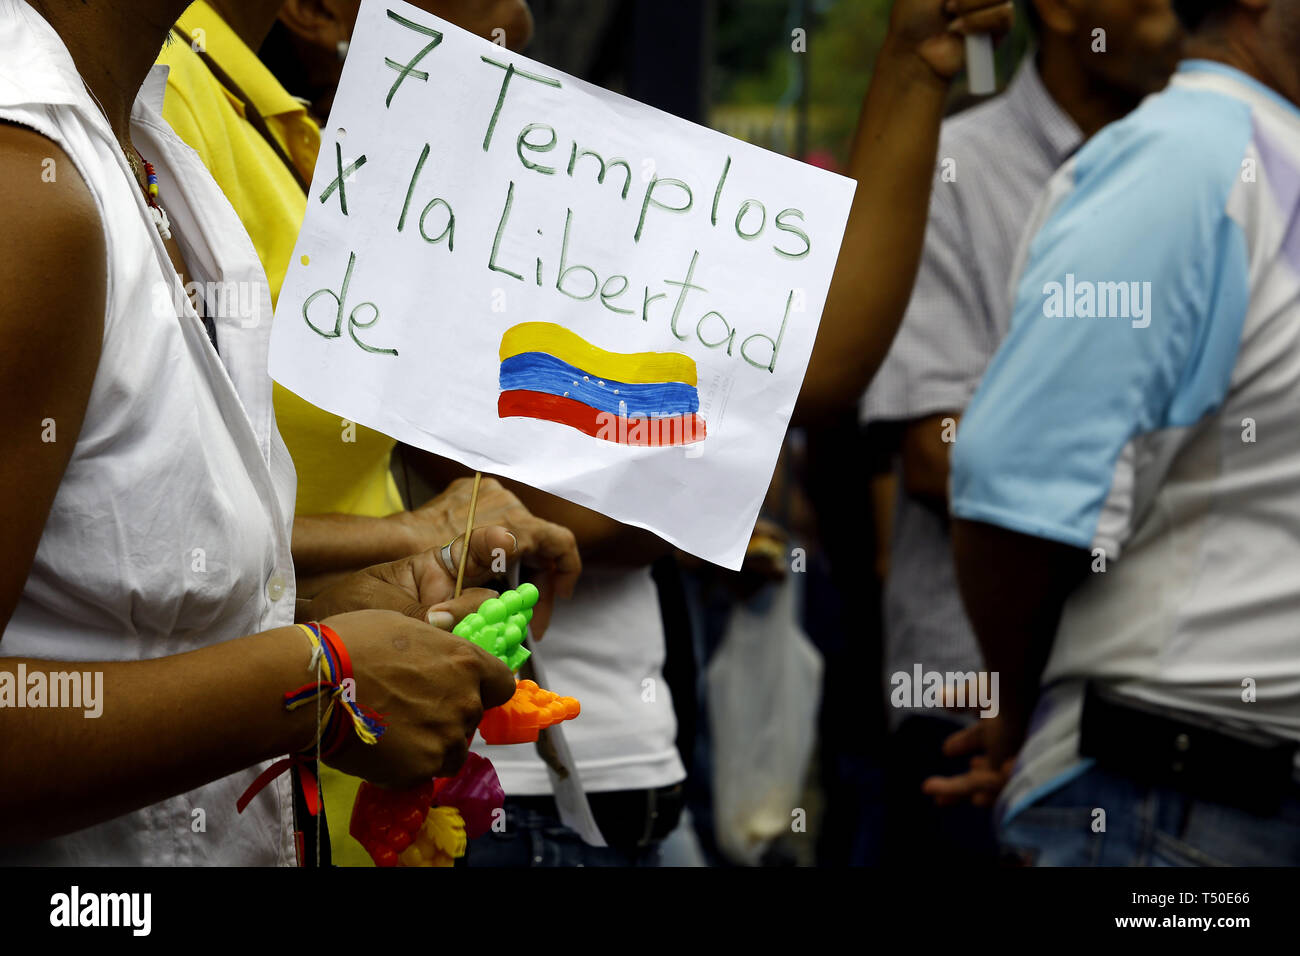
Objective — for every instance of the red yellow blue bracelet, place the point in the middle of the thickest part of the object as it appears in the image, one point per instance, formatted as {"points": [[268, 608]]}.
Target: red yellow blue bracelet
{"points": [[334, 693], [337, 689]]}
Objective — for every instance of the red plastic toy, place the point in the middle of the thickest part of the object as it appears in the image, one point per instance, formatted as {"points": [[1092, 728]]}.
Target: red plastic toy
{"points": [[430, 824]]}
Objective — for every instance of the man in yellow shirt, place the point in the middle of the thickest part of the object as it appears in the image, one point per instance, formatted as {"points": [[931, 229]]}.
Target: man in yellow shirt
{"points": [[260, 144]]}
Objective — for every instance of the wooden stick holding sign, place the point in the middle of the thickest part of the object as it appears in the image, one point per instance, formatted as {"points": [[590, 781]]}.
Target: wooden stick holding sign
{"points": [[469, 526]]}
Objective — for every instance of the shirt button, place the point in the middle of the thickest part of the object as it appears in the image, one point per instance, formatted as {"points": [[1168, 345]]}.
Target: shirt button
{"points": [[275, 586]]}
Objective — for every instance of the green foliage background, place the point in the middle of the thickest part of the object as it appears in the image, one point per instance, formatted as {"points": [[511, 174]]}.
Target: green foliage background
{"points": [[755, 77]]}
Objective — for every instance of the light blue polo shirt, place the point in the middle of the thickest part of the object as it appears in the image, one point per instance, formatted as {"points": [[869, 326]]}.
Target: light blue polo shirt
{"points": [[1145, 406]]}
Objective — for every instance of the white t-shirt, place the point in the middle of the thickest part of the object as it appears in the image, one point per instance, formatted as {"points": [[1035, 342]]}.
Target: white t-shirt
{"points": [[606, 648], [170, 530]]}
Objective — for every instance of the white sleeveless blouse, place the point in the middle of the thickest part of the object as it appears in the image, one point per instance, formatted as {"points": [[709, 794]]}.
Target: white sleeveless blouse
{"points": [[171, 527]]}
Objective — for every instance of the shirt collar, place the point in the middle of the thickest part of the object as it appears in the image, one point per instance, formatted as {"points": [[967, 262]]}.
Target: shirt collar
{"points": [[228, 50], [1190, 67], [49, 74], [154, 89], [35, 65], [1056, 131]]}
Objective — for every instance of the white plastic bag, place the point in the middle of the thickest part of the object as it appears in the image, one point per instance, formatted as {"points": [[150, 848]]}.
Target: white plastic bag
{"points": [[763, 693]]}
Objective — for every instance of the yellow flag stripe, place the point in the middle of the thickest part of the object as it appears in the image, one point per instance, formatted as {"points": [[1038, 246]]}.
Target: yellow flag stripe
{"points": [[635, 368]]}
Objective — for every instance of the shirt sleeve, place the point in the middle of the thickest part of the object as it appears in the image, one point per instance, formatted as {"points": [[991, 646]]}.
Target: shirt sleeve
{"points": [[1126, 323], [945, 338]]}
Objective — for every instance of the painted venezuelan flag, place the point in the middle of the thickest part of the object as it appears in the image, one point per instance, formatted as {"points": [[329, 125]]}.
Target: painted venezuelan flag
{"points": [[640, 398]]}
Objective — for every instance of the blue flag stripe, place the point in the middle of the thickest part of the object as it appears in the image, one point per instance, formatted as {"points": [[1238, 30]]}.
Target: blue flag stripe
{"points": [[540, 372]]}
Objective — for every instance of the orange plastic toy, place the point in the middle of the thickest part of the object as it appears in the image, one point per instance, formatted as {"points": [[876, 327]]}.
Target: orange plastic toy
{"points": [[531, 710], [422, 827]]}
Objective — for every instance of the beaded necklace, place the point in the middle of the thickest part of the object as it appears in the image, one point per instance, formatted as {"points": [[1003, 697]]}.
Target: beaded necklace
{"points": [[156, 211], [151, 196]]}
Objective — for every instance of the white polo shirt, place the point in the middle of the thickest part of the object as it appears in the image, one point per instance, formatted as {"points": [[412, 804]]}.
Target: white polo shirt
{"points": [[171, 527]]}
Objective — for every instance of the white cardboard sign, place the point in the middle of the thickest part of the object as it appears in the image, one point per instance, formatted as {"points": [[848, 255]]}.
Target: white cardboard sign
{"points": [[544, 280]]}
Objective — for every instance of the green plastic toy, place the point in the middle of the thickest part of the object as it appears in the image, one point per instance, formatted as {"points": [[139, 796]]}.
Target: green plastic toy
{"points": [[500, 623]]}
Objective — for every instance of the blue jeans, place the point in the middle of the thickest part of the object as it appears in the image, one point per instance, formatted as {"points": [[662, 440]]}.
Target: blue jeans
{"points": [[533, 838], [1147, 826]]}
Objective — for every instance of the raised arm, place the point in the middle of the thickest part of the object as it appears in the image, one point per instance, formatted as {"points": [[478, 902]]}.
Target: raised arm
{"points": [[894, 152]]}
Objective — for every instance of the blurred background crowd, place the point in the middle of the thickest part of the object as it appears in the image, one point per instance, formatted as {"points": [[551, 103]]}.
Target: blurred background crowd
{"points": [[771, 716]]}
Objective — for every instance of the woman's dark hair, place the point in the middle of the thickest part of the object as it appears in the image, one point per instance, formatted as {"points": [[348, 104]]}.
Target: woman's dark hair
{"points": [[1193, 13]]}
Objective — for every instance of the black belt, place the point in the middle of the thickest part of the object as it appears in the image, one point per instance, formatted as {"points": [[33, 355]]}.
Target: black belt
{"points": [[1237, 765], [628, 819]]}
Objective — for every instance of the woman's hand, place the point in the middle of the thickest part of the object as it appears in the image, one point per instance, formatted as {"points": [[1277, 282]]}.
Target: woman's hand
{"points": [[431, 688], [328, 547], [542, 545], [421, 585]]}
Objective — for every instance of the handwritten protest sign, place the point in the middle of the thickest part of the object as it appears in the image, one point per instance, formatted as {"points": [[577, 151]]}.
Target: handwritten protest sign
{"points": [[543, 280]]}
